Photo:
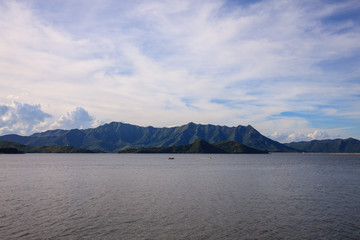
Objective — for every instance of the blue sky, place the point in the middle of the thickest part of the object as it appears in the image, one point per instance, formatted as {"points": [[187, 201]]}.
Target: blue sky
{"points": [[291, 69]]}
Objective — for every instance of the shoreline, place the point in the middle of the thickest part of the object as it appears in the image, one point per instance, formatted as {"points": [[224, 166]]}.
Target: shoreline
{"points": [[314, 153]]}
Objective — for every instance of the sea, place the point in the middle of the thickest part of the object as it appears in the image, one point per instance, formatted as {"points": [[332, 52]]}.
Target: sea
{"points": [[192, 196]]}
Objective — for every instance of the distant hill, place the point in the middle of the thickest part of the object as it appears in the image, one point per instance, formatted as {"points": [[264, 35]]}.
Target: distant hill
{"points": [[117, 136], [10, 150], [13, 147], [235, 147], [349, 145], [199, 146]]}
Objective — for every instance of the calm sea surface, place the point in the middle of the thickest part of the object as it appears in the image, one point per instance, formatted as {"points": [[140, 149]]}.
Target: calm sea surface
{"points": [[195, 196]]}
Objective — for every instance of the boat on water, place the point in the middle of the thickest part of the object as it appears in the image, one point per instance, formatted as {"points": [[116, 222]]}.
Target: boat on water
{"points": [[171, 158]]}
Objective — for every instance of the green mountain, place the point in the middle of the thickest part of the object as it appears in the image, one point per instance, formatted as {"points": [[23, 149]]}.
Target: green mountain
{"points": [[235, 147], [349, 145], [13, 147], [199, 146], [117, 136]]}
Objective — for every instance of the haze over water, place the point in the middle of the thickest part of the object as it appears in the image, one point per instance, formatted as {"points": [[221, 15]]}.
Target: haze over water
{"points": [[199, 196]]}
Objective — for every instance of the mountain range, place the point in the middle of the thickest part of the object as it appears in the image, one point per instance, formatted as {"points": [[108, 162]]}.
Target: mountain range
{"points": [[118, 136], [349, 145]]}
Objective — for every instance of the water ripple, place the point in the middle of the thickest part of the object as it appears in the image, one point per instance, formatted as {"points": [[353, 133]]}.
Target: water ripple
{"points": [[110, 196]]}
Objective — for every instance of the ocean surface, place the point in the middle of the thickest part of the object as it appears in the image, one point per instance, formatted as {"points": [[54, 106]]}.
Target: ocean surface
{"points": [[194, 196]]}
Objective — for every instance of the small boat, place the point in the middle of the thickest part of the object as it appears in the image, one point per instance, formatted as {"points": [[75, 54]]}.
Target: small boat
{"points": [[171, 158]]}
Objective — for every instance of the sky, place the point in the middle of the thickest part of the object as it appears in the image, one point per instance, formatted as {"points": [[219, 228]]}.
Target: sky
{"points": [[289, 68]]}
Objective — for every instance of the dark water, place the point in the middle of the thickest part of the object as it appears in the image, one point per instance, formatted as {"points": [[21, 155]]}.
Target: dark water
{"points": [[111, 196]]}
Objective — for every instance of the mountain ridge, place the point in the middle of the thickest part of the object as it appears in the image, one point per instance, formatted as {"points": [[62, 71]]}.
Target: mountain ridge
{"points": [[349, 145], [115, 136]]}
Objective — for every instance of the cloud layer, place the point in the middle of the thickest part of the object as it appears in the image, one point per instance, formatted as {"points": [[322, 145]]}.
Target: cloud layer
{"points": [[21, 118], [79, 118], [24, 119], [289, 68]]}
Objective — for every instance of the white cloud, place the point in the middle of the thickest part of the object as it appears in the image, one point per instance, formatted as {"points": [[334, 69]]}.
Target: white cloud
{"points": [[163, 63], [317, 134], [300, 136], [25, 119], [21, 118], [294, 129], [79, 118]]}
